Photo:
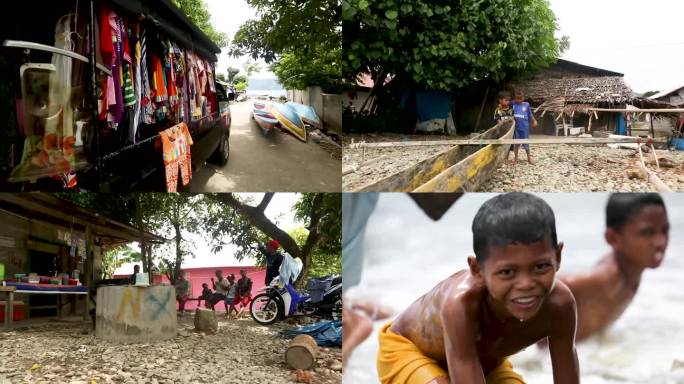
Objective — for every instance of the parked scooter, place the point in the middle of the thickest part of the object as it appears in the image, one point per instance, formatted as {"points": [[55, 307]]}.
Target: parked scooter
{"points": [[277, 301]]}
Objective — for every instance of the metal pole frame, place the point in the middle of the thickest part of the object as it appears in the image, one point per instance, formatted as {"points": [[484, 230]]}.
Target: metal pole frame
{"points": [[93, 101]]}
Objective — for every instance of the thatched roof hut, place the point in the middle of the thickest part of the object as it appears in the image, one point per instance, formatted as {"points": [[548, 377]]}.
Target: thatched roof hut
{"points": [[568, 87]]}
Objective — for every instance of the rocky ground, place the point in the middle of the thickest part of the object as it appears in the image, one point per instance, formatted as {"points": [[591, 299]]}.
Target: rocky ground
{"points": [[559, 168], [378, 163], [566, 168], [240, 352]]}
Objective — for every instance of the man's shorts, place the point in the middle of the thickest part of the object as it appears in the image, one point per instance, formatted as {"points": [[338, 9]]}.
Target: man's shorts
{"points": [[229, 300], [401, 362], [244, 300]]}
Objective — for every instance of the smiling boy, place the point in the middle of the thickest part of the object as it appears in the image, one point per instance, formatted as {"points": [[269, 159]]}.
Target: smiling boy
{"points": [[637, 230], [463, 330]]}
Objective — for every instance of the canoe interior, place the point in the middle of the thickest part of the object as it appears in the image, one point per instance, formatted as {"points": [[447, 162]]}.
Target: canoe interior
{"points": [[413, 178]]}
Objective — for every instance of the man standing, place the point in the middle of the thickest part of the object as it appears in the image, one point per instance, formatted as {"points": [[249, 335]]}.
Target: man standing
{"points": [[273, 259], [182, 291]]}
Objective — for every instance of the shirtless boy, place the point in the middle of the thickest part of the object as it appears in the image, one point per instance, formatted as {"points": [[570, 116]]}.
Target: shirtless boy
{"points": [[637, 229], [465, 328]]}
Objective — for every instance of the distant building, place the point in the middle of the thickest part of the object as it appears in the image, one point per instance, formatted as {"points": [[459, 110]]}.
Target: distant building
{"points": [[673, 96]]}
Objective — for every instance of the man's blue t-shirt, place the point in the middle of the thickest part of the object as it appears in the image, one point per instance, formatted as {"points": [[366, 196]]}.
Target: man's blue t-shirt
{"points": [[522, 114]]}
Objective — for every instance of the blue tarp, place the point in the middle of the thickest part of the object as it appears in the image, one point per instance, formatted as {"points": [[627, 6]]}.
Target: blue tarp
{"points": [[48, 287], [327, 333], [621, 126], [433, 105]]}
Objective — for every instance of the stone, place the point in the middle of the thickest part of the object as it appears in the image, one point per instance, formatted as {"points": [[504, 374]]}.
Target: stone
{"points": [[205, 320]]}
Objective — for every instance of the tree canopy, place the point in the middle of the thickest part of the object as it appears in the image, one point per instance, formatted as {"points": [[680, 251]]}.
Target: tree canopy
{"points": [[198, 13], [293, 33], [220, 220], [447, 44]]}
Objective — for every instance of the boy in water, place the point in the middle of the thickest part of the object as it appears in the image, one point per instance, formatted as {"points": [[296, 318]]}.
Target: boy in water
{"points": [[637, 230], [465, 328], [522, 112]]}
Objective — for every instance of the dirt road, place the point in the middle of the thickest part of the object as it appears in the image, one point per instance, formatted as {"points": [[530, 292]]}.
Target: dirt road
{"points": [[277, 162]]}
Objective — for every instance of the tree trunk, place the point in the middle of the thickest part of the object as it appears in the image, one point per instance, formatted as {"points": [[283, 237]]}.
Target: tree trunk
{"points": [[257, 217], [179, 254]]}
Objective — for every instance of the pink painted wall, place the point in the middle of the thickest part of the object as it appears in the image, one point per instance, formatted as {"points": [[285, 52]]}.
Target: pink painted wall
{"points": [[197, 276]]}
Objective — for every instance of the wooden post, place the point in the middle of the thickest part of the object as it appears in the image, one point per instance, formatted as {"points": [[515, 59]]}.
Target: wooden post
{"points": [[479, 116], [650, 118], [86, 274], [302, 352], [9, 304]]}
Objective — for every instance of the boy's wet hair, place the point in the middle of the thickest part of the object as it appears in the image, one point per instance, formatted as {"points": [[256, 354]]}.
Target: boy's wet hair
{"points": [[623, 206], [510, 218]]}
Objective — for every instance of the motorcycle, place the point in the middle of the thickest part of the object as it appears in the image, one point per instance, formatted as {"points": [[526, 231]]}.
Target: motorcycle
{"points": [[278, 301]]}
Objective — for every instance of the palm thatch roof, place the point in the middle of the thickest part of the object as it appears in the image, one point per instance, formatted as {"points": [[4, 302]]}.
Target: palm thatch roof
{"points": [[571, 87], [583, 90]]}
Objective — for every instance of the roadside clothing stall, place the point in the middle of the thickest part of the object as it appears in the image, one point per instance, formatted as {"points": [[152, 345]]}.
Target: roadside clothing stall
{"points": [[51, 254], [103, 95]]}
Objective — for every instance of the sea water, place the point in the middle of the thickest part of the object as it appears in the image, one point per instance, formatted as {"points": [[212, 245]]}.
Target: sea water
{"points": [[406, 254]]}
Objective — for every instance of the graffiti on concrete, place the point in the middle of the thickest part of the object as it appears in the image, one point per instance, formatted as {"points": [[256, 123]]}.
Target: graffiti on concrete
{"points": [[130, 298], [162, 304]]}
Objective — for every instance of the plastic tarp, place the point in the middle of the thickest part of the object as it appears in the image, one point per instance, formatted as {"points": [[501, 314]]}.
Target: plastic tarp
{"points": [[327, 333], [432, 105]]}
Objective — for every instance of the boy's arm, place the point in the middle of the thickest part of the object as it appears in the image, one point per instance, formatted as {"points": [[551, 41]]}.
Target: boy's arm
{"points": [[460, 344], [532, 119], [562, 338]]}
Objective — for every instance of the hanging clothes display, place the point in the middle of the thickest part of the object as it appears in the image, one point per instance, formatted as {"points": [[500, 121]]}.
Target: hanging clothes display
{"points": [[137, 74], [176, 142], [146, 102]]}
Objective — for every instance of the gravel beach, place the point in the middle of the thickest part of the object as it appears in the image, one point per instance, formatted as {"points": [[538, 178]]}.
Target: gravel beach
{"points": [[241, 352], [576, 168], [558, 168]]}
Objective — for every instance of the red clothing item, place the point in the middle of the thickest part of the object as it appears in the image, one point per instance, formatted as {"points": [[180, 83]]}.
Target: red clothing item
{"points": [[106, 44]]}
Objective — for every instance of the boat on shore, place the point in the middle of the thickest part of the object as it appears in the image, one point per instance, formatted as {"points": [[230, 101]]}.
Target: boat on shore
{"points": [[461, 168]]}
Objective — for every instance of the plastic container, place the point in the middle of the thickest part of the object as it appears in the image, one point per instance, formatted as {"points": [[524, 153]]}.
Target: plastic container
{"points": [[2, 271]]}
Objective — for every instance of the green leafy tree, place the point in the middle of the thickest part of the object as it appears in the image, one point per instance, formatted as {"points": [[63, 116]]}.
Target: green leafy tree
{"points": [[116, 257], [240, 79], [297, 72], [232, 72], [198, 12], [221, 76], [247, 225], [301, 29], [240, 87], [447, 44], [178, 215], [251, 67], [650, 93]]}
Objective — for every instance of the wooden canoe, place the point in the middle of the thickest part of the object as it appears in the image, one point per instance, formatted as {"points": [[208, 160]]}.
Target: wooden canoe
{"points": [[459, 168]]}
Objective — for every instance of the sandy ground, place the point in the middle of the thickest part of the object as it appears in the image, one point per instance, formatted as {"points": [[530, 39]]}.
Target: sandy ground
{"points": [[559, 168], [277, 162], [241, 352]]}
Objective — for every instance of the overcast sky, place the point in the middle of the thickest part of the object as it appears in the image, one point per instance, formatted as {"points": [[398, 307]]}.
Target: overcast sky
{"points": [[642, 39], [279, 211], [227, 16]]}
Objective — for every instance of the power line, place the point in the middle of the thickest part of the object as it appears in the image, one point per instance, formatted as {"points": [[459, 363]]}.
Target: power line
{"points": [[632, 47]]}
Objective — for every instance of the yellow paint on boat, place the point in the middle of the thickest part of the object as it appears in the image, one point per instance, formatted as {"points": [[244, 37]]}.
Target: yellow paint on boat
{"points": [[300, 133]]}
